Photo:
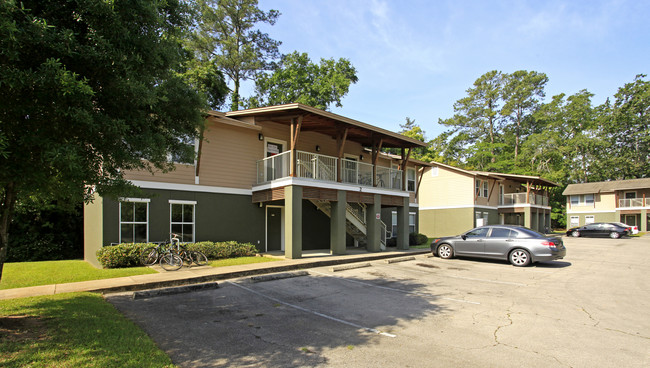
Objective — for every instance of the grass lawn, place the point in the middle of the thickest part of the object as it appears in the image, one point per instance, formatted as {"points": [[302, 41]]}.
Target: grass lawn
{"points": [[241, 261], [72, 330], [24, 274]]}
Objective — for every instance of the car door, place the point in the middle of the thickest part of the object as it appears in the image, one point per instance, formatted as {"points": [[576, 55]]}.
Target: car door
{"points": [[472, 242], [590, 230], [499, 242]]}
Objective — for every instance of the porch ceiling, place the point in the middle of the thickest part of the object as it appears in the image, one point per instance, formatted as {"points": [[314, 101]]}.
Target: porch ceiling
{"points": [[324, 122]]}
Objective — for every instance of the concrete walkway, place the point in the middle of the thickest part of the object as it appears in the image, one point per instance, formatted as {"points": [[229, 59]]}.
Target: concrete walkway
{"points": [[195, 275]]}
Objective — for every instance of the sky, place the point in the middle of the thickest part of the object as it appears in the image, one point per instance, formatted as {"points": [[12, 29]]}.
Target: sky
{"points": [[415, 58]]}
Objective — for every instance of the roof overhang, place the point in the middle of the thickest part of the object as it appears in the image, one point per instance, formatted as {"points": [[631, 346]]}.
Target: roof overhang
{"points": [[328, 123]]}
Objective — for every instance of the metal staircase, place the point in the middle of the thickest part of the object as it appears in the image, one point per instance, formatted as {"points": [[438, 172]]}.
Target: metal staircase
{"points": [[355, 221]]}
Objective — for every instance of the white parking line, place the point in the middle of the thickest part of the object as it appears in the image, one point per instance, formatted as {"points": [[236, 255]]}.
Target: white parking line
{"points": [[394, 289], [313, 312]]}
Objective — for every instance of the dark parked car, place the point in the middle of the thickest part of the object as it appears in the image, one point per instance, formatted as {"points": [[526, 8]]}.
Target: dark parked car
{"points": [[517, 244], [599, 229]]}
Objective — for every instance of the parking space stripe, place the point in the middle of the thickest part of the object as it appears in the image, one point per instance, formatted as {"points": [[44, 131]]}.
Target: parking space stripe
{"points": [[373, 330], [394, 289]]}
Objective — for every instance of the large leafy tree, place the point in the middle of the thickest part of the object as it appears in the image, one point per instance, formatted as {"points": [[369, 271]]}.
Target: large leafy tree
{"points": [[89, 88], [522, 94], [298, 79], [225, 37], [628, 131], [477, 114]]}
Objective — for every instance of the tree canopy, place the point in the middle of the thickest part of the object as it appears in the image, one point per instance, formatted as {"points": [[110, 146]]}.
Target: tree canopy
{"points": [[225, 37], [90, 88], [298, 79]]}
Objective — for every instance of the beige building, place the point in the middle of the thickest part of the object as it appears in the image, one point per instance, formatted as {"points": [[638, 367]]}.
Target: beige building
{"points": [[453, 200], [609, 201], [284, 178]]}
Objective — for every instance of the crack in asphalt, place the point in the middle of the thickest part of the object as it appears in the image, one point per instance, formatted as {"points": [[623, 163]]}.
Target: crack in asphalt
{"points": [[497, 342], [597, 322]]}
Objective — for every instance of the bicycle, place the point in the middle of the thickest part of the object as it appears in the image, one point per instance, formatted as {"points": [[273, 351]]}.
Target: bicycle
{"points": [[151, 255], [163, 254], [191, 256]]}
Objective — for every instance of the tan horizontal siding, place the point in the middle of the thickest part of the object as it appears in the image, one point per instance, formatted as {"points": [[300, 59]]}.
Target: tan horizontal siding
{"points": [[183, 174], [228, 156], [447, 189]]}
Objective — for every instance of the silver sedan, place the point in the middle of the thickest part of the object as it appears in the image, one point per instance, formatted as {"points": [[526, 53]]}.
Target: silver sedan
{"points": [[517, 244]]}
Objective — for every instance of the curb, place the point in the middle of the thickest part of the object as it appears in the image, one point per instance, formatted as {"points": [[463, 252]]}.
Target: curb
{"points": [[174, 290], [349, 267], [278, 276]]}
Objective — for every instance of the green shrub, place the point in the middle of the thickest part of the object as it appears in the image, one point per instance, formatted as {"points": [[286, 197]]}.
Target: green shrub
{"points": [[128, 254], [121, 255], [417, 239], [391, 242], [227, 249]]}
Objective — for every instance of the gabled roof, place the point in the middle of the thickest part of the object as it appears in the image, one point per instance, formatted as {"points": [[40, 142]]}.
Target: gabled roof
{"points": [[607, 186], [220, 117], [328, 123], [535, 180]]}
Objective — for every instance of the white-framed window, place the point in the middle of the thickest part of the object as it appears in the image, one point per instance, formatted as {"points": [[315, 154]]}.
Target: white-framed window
{"points": [[481, 218], [410, 179], [411, 222], [394, 223], [589, 199], [574, 221], [434, 171], [134, 220], [182, 219], [478, 188], [589, 219], [485, 189], [575, 200]]}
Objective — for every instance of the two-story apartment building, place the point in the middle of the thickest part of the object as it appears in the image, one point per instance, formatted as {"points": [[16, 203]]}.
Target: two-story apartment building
{"points": [[625, 201], [288, 177], [454, 200]]}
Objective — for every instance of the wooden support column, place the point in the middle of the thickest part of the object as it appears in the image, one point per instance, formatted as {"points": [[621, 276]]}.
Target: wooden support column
{"points": [[341, 148], [417, 189], [375, 155], [295, 133], [527, 192], [405, 160]]}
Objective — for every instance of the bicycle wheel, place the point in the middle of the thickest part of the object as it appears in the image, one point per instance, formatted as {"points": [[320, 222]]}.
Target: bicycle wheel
{"points": [[199, 258], [149, 256], [171, 262]]}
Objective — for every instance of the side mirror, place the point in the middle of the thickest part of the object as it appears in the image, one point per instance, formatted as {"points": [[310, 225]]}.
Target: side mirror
{"points": [[464, 237]]}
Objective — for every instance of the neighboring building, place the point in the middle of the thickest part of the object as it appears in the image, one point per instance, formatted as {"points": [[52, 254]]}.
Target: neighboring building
{"points": [[454, 200], [287, 177], [609, 201]]}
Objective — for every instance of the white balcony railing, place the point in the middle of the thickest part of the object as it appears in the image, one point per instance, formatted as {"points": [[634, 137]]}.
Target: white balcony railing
{"points": [[389, 178], [315, 166], [354, 172], [512, 199], [630, 202], [273, 167], [324, 168]]}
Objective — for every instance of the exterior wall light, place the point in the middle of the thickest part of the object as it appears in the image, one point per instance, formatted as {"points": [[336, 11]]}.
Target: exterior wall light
{"points": [[360, 157], [260, 137], [317, 148]]}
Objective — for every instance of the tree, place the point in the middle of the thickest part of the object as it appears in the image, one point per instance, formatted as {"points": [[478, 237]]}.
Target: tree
{"points": [[298, 79], [628, 131], [225, 36], [90, 88], [521, 92]]}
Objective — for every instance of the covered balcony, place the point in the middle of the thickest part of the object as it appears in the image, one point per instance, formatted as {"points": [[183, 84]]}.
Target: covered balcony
{"points": [[631, 202], [514, 199], [326, 168]]}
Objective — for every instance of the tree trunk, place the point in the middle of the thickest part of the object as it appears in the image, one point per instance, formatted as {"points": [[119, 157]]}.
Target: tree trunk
{"points": [[235, 97], [8, 204]]}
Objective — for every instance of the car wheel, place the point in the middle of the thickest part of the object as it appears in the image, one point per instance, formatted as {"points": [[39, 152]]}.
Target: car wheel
{"points": [[445, 251], [614, 235], [575, 233], [519, 258]]}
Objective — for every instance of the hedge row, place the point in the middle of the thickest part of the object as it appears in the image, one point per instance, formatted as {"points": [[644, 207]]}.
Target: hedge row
{"points": [[414, 239], [128, 254]]}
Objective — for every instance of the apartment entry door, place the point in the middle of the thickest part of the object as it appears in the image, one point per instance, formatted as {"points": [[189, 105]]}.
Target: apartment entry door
{"points": [[274, 228]]}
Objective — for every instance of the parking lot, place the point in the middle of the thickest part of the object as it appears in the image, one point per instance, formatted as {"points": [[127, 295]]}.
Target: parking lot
{"points": [[589, 310]]}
